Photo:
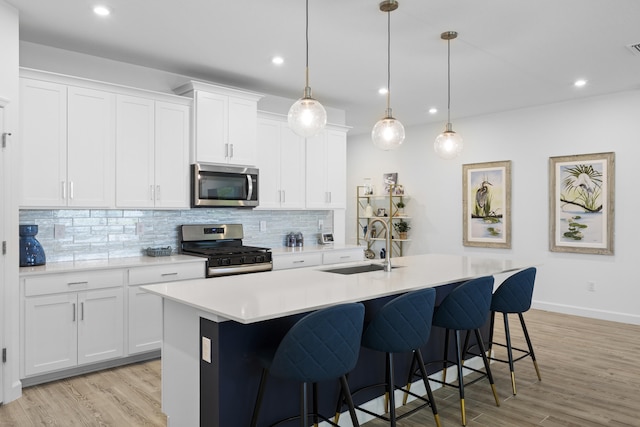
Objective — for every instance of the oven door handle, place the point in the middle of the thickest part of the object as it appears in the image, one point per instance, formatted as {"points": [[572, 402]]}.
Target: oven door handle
{"points": [[250, 187]]}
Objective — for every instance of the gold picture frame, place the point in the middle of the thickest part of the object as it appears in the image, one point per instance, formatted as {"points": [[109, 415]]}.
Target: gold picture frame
{"points": [[486, 204], [581, 203]]}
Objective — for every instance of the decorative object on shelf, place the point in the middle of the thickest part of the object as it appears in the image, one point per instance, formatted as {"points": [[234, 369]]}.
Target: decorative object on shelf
{"points": [[389, 180], [31, 251], [398, 190], [486, 204], [369, 254], [400, 205], [383, 253], [388, 133], [381, 212], [307, 117], [368, 187], [448, 144], [368, 211], [159, 251], [402, 227], [581, 203]]}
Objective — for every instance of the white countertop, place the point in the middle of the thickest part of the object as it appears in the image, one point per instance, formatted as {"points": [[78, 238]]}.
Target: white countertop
{"points": [[140, 261], [256, 297]]}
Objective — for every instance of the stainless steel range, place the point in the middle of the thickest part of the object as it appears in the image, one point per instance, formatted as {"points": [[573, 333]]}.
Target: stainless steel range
{"points": [[222, 245]]}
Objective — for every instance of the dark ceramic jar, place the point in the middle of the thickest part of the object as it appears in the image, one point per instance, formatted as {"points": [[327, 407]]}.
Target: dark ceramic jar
{"points": [[31, 252]]}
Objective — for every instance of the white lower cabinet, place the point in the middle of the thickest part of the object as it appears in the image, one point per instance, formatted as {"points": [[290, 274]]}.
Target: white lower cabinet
{"points": [[311, 257], [145, 321], [69, 329], [79, 318]]}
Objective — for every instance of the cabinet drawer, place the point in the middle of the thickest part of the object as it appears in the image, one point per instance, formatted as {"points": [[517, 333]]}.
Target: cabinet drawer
{"points": [[166, 273], [296, 261], [69, 282], [338, 256]]}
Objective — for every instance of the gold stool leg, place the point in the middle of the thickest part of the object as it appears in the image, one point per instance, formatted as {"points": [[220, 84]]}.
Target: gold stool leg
{"points": [[513, 382], [406, 395], [535, 364], [437, 418], [463, 412], [495, 394]]}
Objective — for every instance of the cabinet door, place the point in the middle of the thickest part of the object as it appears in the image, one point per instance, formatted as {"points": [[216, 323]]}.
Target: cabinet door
{"points": [[43, 138], [292, 168], [90, 147], [50, 333], [211, 127], [145, 321], [268, 155], [336, 169], [243, 115], [100, 325], [135, 142], [172, 155], [327, 170]]}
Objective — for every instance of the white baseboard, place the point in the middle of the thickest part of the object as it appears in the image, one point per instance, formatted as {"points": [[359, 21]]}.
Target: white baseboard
{"points": [[613, 316]]}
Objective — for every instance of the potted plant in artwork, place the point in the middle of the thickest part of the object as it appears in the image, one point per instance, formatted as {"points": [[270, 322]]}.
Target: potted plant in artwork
{"points": [[400, 206], [402, 227]]}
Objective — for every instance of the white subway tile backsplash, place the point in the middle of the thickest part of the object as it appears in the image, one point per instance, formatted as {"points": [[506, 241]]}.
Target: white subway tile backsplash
{"points": [[102, 234]]}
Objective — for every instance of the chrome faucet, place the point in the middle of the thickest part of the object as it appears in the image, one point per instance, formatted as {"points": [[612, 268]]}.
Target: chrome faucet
{"points": [[387, 248]]}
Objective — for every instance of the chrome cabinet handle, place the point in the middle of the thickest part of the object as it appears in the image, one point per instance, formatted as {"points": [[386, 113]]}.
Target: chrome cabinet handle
{"points": [[73, 306], [77, 283], [231, 150], [64, 190], [157, 192], [151, 192], [70, 190], [81, 311], [284, 196], [168, 274]]}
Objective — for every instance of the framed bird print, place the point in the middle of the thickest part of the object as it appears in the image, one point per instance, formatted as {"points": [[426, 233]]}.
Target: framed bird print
{"points": [[486, 204], [581, 195]]}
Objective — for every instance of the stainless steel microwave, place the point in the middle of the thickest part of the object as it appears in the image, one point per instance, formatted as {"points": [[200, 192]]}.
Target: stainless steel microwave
{"points": [[223, 186]]}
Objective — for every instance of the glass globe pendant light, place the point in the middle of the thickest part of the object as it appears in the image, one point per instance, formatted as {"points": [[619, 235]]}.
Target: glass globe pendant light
{"points": [[448, 144], [388, 133], [307, 116]]}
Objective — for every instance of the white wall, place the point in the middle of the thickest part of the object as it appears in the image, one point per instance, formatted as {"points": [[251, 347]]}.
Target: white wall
{"points": [[527, 137], [9, 339]]}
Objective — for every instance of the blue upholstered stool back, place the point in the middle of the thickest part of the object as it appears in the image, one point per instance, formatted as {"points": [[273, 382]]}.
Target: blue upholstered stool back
{"points": [[514, 294], [403, 324], [323, 345], [467, 306]]}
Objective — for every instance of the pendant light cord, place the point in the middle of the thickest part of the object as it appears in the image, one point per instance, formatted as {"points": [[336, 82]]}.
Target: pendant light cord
{"points": [[448, 81], [388, 60], [307, 43]]}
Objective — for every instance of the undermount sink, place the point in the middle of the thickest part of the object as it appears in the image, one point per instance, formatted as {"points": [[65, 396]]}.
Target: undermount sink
{"points": [[357, 269]]}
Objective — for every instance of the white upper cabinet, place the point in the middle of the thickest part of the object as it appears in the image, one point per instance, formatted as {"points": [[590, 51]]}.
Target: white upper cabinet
{"points": [[67, 142], [152, 145], [327, 170], [225, 122], [281, 161]]}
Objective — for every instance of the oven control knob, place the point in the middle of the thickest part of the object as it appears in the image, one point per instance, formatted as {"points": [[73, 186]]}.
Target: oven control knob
{"points": [[259, 258], [225, 261]]}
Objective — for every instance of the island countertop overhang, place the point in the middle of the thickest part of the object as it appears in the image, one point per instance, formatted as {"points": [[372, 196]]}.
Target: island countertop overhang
{"points": [[256, 297]]}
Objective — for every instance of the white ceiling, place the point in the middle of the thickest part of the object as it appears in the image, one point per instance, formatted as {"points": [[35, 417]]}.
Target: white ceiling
{"points": [[509, 54]]}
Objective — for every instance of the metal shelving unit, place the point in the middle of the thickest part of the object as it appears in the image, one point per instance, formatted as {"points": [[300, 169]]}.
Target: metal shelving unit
{"points": [[390, 203]]}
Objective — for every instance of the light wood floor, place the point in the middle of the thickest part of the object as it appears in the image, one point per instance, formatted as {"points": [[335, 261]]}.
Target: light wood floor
{"points": [[590, 377]]}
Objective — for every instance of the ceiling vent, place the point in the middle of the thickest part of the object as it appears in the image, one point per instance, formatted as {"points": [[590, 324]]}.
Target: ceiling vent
{"points": [[635, 48]]}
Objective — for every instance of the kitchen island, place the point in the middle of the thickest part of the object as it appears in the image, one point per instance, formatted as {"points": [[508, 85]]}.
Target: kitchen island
{"points": [[212, 326]]}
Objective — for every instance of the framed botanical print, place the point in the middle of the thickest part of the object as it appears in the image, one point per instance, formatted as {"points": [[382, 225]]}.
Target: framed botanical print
{"points": [[486, 204], [581, 203]]}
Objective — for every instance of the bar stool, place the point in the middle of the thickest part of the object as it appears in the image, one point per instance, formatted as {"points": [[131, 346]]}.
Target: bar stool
{"points": [[402, 325], [514, 296], [321, 346], [466, 308]]}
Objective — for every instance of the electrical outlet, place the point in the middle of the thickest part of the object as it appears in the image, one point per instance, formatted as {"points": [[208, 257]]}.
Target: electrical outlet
{"points": [[139, 229], [591, 286], [263, 225], [320, 225], [206, 349]]}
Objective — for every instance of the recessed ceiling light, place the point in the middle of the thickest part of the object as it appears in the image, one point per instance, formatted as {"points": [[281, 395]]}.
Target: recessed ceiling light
{"points": [[580, 83], [383, 91], [433, 110], [101, 11], [277, 60]]}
